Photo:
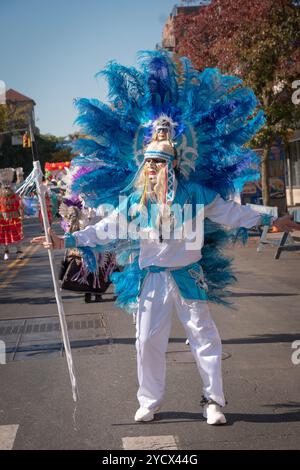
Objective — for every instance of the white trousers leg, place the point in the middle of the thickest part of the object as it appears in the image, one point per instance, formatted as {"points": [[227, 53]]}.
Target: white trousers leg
{"points": [[205, 344], [159, 297], [153, 324]]}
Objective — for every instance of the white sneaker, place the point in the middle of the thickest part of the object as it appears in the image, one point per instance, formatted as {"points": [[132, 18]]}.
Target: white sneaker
{"points": [[20, 255], [144, 414], [212, 412], [6, 256]]}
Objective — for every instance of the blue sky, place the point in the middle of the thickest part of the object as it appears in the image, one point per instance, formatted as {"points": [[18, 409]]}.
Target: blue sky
{"points": [[52, 49]]}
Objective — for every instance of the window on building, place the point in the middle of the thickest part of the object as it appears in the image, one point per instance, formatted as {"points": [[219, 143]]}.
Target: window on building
{"points": [[294, 155]]}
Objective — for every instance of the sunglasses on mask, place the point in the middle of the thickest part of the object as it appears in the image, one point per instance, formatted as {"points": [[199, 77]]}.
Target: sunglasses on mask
{"points": [[155, 160]]}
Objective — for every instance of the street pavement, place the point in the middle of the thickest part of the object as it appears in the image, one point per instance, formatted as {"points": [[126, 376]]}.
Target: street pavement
{"points": [[262, 384]]}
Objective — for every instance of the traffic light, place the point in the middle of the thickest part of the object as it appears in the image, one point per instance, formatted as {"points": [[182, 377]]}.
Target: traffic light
{"points": [[26, 140]]}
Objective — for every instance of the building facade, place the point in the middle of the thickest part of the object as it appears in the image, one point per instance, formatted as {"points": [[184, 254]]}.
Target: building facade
{"points": [[172, 32], [20, 109]]}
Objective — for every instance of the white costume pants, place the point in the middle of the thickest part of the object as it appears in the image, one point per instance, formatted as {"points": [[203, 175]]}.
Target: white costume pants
{"points": [[159, 297]]}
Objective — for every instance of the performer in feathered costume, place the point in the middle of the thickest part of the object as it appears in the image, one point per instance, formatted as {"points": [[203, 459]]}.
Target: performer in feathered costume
{"points": [[11, 214], [171, 139], [74, 275]]}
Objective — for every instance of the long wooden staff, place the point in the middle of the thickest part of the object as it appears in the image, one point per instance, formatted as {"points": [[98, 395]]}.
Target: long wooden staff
{"points": [[41, 191]]}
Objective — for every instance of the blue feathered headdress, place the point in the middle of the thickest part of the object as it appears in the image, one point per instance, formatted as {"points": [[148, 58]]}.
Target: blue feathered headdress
{"points": [[213, 113], [214, 117]]}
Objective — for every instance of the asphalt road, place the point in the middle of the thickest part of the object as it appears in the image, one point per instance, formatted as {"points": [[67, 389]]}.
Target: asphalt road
{"points": [[262, 384]]}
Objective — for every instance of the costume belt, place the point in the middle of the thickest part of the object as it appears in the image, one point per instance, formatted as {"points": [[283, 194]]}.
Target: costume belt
{"points": [[158, 269], [189, 279]]}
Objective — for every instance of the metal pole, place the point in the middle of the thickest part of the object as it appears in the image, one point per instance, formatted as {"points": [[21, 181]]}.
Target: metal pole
{"points": [[289, 174]]}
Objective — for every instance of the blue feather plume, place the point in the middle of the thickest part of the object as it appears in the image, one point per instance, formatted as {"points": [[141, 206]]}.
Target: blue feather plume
{"points": [[223, 114]]}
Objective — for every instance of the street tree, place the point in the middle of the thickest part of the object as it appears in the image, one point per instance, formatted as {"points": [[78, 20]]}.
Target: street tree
{"points": [[50, 149], [3, 118], [258, 41]]}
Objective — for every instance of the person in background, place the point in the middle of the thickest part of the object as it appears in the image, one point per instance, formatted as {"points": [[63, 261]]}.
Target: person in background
{"points": [[11, 215]]}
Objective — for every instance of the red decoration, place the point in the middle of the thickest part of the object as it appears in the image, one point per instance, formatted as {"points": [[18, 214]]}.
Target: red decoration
{"points": [[57, 166]]}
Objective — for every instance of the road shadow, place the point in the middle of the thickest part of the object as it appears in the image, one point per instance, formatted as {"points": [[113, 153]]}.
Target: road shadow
{"points": [[267, 338], [232, 418], [48, 300], [132, 340], [166, 417]]}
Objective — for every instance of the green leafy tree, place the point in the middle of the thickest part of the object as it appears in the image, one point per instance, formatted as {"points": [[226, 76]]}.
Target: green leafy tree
{"points": [[49, 150], [3, 118], [259, 41]]}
